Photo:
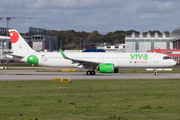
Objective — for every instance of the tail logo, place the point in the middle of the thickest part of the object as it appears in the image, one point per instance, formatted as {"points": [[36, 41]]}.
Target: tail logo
{"points": [[14, 36]]}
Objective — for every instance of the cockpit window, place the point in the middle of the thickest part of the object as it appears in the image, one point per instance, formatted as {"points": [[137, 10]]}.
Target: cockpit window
{"points": [[166, 57]]}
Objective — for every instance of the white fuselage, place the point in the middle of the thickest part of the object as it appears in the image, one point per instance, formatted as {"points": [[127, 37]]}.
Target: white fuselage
{"points": [[153, 60]]}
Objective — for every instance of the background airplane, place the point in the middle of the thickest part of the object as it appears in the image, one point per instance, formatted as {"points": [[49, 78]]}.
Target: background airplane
{"points": [[104, 62]]}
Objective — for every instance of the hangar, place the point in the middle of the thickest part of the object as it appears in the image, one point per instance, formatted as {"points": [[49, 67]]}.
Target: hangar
{"points": [[147, 42], [175, 35]]}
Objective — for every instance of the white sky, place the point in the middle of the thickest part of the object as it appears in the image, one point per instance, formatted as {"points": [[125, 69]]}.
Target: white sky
{"points": [[89, 15]]}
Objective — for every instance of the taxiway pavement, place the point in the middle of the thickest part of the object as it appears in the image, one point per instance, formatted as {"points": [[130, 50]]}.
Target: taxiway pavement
{"points": [[15, 75]]}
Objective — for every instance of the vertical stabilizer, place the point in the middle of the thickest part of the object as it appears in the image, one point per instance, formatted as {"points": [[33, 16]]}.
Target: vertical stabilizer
{"points": [[19, 45]]}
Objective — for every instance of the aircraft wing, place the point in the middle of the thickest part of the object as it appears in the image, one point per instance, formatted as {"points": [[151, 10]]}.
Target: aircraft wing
{"points": [[84, 63]]}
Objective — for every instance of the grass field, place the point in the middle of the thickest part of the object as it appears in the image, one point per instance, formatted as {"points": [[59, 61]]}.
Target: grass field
{"points": [[90, 99]]}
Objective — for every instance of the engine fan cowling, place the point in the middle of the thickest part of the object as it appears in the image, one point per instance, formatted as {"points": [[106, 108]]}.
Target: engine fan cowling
{"points": [[107, 68]]}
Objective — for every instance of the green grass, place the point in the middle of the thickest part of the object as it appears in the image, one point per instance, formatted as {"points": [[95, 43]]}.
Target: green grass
{"points": [[90, 99]]}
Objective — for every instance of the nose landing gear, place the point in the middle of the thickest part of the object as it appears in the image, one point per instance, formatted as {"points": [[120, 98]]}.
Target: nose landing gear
{"points": [[156, 73]]}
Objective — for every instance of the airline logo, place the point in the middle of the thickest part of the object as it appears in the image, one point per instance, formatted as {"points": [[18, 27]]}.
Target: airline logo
{"points": [[44, 58], [139, 58], [14, 36]]}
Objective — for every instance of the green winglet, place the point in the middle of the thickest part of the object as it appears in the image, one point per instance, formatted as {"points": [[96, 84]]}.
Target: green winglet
{"points": [[64, 56]]}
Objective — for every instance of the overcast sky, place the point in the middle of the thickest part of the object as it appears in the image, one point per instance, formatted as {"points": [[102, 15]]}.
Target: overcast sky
{"points": [[89, 15]]}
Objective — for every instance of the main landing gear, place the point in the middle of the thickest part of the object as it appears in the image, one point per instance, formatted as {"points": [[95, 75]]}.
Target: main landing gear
{"points": [[156, 73], [90, 72]]}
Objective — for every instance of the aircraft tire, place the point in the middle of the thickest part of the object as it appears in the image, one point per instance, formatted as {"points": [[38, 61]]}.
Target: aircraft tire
{"points": [[156, 74], [88, 73], [93, 72]]}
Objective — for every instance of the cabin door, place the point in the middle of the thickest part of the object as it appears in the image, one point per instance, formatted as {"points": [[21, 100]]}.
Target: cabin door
{"points": [[156, 58]]}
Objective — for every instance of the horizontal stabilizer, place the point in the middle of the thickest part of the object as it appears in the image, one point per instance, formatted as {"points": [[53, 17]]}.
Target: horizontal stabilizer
{"points": [[4, 38], [16, 56]]}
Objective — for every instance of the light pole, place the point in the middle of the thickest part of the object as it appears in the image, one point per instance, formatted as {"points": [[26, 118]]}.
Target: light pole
{"points": [[61, 44], [84, 44], [66, 42], [80, 43]]}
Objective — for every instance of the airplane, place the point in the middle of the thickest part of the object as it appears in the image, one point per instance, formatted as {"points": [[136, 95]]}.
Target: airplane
{"points": [[103, 62]]}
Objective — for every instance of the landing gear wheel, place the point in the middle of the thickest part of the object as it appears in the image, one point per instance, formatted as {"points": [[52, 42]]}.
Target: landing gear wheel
{"points": [[90, 73], [156, 74], [93, 72]]}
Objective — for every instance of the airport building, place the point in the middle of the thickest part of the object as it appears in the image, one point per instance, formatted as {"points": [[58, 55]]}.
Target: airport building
{"points": [[88, 45], [39, 41], [112, 48], [147, 42], [175, 35], [5, 44], [44, 43]]}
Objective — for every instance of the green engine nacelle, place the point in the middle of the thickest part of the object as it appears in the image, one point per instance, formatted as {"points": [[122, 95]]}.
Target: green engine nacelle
{"points": [[108, 68]]}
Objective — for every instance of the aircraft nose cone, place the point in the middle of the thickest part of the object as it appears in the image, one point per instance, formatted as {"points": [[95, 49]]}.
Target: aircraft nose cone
{"points": [[173, 62]]}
